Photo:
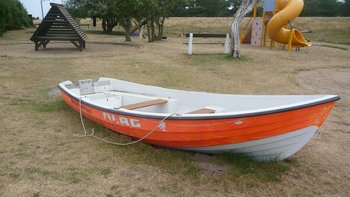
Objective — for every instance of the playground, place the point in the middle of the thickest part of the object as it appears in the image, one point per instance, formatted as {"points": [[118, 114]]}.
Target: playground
{"points": [[43, 157]]}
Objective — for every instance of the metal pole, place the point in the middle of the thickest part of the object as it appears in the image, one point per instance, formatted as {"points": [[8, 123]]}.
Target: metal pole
{"points": [[42, 10]]}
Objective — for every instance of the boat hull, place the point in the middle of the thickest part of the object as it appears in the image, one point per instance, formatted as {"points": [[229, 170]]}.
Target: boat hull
{"points": [[263, 137], [273, 148]]}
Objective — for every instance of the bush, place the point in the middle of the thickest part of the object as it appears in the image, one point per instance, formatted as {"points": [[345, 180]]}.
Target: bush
{"points": [[12, 15]]}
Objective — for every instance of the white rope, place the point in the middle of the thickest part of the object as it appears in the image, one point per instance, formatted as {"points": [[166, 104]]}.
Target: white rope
{"points": [[92, 134], [82, 122]]}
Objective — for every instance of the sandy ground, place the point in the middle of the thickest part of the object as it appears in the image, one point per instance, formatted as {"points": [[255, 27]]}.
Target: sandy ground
{"points": [[40, 156]]}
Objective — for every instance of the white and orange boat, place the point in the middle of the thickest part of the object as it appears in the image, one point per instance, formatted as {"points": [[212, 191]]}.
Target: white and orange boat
{"points": [[264, 127]]}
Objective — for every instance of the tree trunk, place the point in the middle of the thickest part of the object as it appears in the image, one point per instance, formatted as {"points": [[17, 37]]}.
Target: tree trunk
{"points": [[149, 33], [160, 23], [245, 7], [104, 24], [235, 46], [127, 35], [109, 23], [153, 29], [126, 23]]}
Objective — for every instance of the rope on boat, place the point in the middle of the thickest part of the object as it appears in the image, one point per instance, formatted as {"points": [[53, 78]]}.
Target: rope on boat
{"points": [[92, 134]]}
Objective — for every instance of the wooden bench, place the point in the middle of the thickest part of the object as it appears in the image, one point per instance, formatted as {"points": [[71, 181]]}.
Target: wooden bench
{"points": [[144, 104], [202, 111]]}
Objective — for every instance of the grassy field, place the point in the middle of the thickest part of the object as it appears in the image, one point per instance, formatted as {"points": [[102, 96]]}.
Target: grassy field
{"points": [[39, 156], [327, 29]]}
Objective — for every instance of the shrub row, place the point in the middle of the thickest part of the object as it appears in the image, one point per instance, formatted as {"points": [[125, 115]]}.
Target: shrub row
{"points": [[12, 15]]}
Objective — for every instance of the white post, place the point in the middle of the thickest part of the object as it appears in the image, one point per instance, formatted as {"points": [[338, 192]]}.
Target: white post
{"points": [[141, 32], [227, 44], [190, 40]]}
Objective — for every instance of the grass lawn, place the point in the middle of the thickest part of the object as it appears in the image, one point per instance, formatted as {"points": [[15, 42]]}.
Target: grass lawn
{"points": [[39, 156]]}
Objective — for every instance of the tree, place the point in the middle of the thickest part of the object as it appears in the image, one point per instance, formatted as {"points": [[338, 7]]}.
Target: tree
{"points": [[245, 7], [77, 8], [126, 10], [158, 11], [321, 8], [123, 12], [345, 8], [102, 9], [155, 12], [12, 15], [164, 12], [205, 8]]}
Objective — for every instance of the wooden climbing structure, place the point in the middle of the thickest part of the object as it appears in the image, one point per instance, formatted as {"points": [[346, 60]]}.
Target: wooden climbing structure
{"points": [[58, 25]]}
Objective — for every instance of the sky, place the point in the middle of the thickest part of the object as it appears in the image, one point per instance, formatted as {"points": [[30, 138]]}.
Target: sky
{"points": [[33, 6]]}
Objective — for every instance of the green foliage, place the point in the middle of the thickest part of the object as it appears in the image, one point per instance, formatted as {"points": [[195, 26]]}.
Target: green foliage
{"points": [[125, 10], [208, 8], [12, 15], [345, 8], [77, 8], [114, 12], [323, 8], [214, 8]]}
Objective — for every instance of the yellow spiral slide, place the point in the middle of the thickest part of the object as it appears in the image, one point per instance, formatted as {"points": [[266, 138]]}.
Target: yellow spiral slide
{"points": [[286, 11]]}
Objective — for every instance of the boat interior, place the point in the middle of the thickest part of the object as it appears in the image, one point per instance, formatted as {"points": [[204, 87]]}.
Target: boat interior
{"points": [[117, 94]]}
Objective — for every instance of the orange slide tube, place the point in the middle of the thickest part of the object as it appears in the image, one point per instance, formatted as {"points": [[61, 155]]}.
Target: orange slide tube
{"points": [[287, 11]]}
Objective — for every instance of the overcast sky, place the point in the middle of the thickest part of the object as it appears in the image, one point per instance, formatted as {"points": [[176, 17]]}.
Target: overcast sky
{"points": [[33, 6]]}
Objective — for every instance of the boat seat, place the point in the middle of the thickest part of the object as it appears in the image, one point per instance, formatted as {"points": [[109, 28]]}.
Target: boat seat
{"points": [[144, 104], [202, 111]]}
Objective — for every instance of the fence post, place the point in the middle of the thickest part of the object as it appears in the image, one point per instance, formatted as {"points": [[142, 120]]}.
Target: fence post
{"points": [[190, 40], [227, 44]]}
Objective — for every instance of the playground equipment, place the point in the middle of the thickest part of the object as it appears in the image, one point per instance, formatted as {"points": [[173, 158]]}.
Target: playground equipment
{"points": [[276, 18], [58, 25], [139, 26]]}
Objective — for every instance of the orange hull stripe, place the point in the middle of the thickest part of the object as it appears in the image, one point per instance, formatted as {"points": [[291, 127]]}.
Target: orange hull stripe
{"points": [[192, 133]]}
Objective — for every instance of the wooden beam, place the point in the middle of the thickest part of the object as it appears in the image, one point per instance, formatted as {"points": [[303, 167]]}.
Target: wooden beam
{"points": [[56, 38], [208, 35], [38, 43], [205, 43], [45, 43], [144, 104], [75, 44], [202, 111]]}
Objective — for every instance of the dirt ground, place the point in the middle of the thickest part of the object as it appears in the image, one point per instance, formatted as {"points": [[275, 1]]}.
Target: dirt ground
{"points": [[39, 156]]}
